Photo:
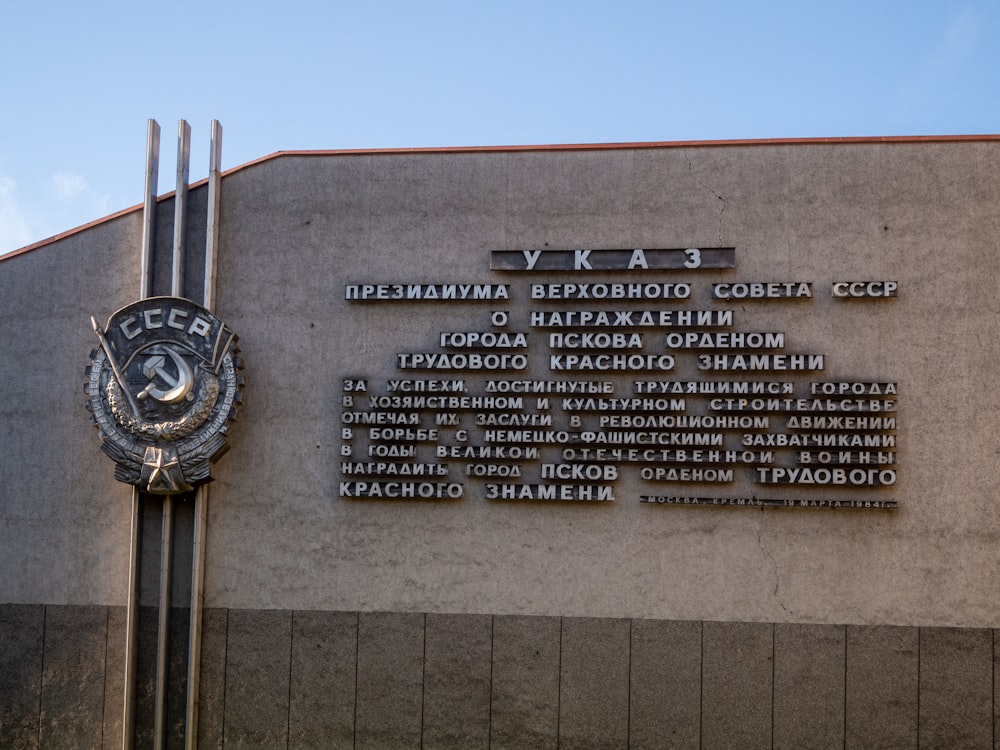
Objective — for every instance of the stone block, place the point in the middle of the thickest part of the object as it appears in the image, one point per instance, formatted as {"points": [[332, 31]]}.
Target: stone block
{"points": [[457, 669], [212, 690], [808, 686], [525, 702], [324, 675], [996, 694], [21, 647], [956, 688], [176, 702], [72, 695], [257, 668], [882, 673], [594, 683], [665, 699], [144, 710], [114, 679], [737, 685], [390, 680]]}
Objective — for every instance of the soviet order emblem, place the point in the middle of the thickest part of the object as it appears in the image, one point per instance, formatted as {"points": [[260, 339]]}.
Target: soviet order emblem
{"points": [[162, 388]]}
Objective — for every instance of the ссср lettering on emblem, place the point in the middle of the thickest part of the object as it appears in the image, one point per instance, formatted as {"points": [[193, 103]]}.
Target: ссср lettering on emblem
{"points": [[162, 387]]}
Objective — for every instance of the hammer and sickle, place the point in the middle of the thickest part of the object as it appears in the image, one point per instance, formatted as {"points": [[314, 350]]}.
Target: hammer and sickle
{"points": [[177, 387]]}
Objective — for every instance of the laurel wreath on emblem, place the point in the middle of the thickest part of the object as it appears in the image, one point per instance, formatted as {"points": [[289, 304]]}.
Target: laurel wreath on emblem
{"points": [[162, 389], [208, 392]]}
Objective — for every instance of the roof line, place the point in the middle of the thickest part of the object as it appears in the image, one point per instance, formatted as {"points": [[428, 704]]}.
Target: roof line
{"points": [[102, 220], [891, 139]]}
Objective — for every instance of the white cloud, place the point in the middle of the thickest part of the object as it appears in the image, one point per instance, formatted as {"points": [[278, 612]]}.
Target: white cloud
{"points": [[78, 199], [15, 228], [68, 185]]}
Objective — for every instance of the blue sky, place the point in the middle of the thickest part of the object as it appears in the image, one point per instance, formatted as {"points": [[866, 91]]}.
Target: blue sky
{"points": [[81, 79]]}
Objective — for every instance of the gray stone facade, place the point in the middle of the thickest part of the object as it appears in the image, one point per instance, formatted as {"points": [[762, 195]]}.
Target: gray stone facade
{"points": [[336, 621], [307, 679]]}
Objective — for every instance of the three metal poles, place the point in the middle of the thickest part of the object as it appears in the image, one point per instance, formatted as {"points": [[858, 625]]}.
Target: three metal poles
{"points": [[201, 493]]}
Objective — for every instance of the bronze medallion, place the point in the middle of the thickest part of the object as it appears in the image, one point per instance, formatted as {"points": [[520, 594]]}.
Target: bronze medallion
{"points": [[163, 387]]}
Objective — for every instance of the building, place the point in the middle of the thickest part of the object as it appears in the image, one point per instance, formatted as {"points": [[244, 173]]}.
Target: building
{"points": [[646, 445]]}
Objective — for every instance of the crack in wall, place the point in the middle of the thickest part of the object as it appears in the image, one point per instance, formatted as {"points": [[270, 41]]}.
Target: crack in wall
{"points": [[774, 563], [703, 186], [722, 211]]}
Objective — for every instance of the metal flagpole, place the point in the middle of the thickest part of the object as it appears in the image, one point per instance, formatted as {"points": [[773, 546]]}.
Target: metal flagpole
{"points": [[180, 207], [135, 546], [201, 493], [166, 543], [163, 626], [214, 195], [149, 209], [131, 621], [176, 459], [194, 632]]}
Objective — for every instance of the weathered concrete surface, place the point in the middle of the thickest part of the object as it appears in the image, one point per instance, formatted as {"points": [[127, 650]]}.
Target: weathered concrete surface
{"points": [[296, 229], [816, 213]]}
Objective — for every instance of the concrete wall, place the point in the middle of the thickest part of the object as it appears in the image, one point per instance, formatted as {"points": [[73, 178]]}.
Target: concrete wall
{"points": [[63, 518], [296, 229], [923, 214], [455, 623], [301, 679]]}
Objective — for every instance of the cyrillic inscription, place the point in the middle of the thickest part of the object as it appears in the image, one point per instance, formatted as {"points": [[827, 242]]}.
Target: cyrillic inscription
{"points": [[472, 421], [858, 289], [422, 292], [689, 258]]}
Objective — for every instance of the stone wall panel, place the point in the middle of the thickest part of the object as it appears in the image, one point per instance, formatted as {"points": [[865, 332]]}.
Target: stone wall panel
{"points": [[665, 682], [737, 670], [390, 680], [457, 681], [881, 687], [324, 679], [525, 703], [257, 678]]}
